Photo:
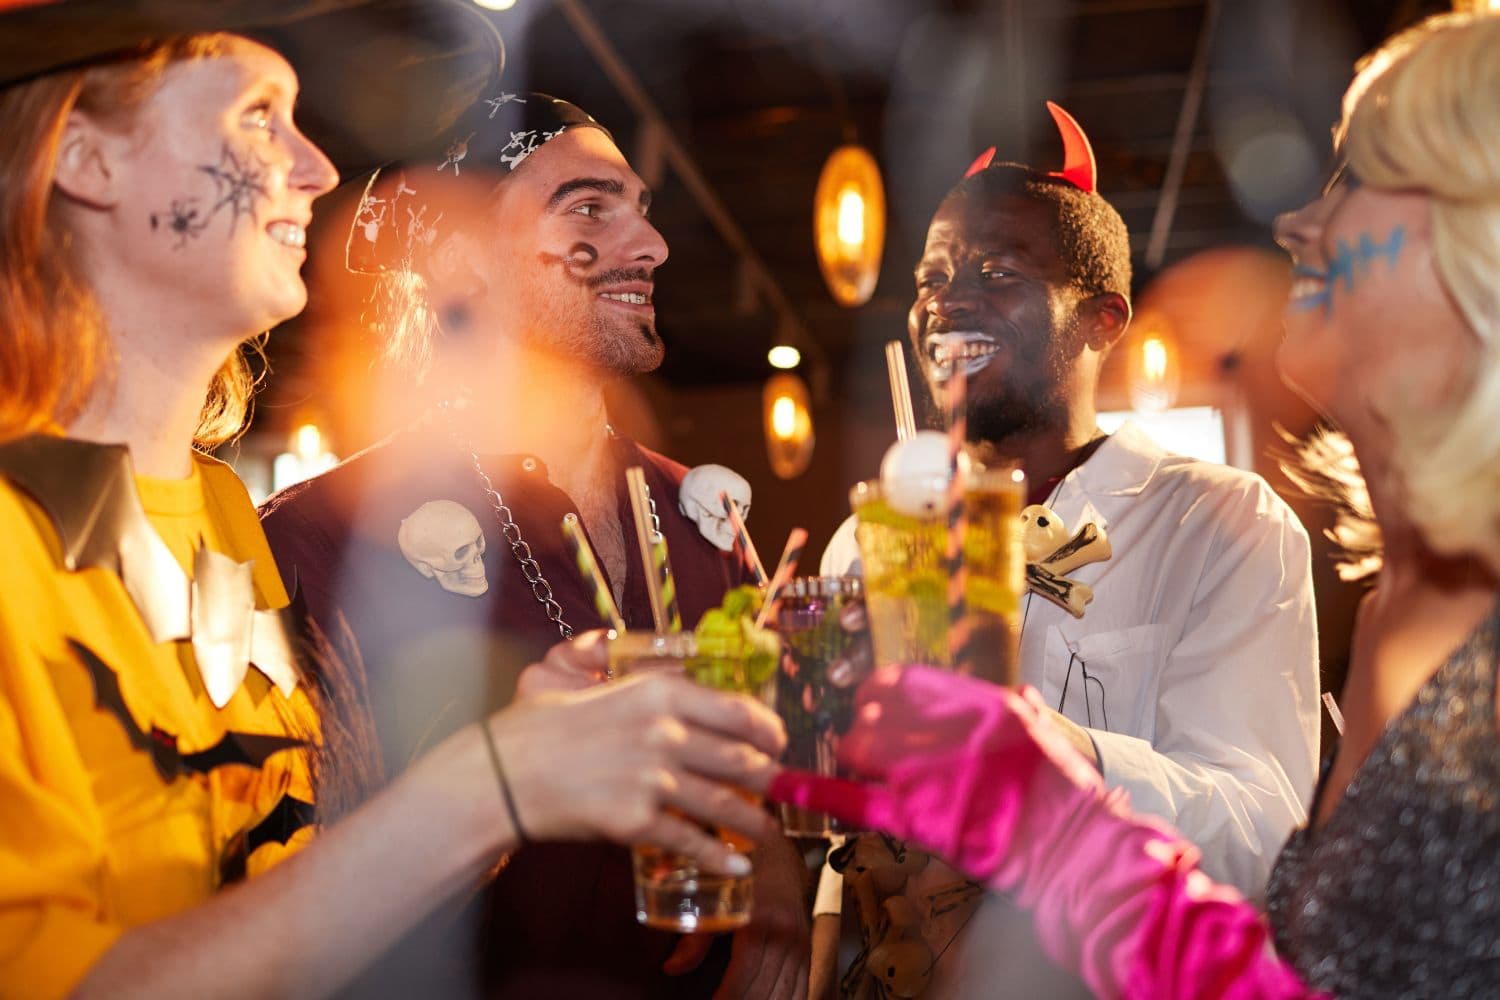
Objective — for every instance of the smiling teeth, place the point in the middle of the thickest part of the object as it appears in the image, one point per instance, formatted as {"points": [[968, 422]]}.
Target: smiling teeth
{"points": [[634, 298], [288, 234], [944, 349], [1306, 287]]}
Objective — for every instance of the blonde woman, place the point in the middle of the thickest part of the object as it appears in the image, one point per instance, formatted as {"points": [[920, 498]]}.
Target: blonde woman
{"points": [[1393, 331], [155, 729]]}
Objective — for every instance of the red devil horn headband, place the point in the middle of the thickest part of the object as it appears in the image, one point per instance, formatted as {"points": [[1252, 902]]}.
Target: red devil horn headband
{"points": [[1078, 156]]}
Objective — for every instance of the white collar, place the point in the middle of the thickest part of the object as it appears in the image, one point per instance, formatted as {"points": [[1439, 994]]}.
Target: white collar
{"points": [[1123, 466]]}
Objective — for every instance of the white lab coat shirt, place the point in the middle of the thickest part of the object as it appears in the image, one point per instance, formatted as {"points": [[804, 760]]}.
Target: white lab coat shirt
{"points": [[1200, 648]]}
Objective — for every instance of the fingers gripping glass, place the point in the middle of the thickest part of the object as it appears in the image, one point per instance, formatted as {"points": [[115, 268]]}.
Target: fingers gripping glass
{"points": [[1090, 689]]}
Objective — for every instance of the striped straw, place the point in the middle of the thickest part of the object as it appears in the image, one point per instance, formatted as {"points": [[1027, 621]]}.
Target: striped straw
{"points": [[958, 574], [663, 570], [742, 536], [895, 368], [795, 542], [664, 613], [593, 577]]}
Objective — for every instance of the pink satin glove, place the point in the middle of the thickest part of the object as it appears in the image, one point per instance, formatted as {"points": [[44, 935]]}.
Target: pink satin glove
{"points": [[978, 776]]}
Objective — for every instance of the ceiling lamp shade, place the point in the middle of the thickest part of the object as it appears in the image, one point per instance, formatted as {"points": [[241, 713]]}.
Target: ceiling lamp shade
{"points": [[788, 424], [849, 224]]}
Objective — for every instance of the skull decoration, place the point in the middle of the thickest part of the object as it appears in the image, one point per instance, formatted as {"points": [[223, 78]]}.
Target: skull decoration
{"points": [[444, 542], [1051, 554], [1042, 532], [698, 500]]}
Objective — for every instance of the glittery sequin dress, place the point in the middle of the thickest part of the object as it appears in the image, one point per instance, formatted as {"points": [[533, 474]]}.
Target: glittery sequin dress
{"points": [[1398, 895]]}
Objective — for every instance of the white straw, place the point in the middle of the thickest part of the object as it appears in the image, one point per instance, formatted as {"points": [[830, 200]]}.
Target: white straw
{"points": [[1333, 712], [895, 366]]}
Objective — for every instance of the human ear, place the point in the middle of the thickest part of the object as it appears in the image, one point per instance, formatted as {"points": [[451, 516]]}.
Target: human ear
{"points": [[1106, 317], [86, 166]]}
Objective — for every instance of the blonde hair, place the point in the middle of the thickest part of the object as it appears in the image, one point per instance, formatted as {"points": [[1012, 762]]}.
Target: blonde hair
{"points": [[1424, 113], [54, 349]]}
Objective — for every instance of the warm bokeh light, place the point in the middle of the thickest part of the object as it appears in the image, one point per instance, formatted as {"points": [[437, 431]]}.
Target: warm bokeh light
{"points": [[849, 224], [308, 456], [496, 4], [784, 356], [784, 417], [787, 415], [307, 442], [1154, 375], [1154, 359]]}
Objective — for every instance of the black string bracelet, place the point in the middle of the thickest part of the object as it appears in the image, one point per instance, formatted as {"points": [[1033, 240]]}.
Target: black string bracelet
{"points": [[510, 800]]}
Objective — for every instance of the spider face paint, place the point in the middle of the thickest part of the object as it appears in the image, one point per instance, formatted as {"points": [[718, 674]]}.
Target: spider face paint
{"points": [[216, 161]]}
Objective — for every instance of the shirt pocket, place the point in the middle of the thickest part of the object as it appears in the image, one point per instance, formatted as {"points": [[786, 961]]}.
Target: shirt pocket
{"points": [[1106, 680]]}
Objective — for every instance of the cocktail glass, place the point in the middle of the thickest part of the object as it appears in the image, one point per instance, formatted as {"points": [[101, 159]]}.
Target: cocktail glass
{"points": [[671, 892], [816, 709]]}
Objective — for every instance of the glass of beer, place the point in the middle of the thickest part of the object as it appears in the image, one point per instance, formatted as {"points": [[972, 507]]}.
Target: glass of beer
{"points": [[671, 892], [816, 708]]}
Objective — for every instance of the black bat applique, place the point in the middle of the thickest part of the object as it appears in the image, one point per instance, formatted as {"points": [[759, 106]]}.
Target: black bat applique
{"points": [[289, 815], [249, 749]]}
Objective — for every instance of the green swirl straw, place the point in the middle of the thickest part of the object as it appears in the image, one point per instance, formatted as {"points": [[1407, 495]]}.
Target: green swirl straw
{"points": [[593, 576]]}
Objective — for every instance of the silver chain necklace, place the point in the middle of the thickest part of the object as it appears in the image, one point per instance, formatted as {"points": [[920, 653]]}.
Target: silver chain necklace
{"points": [[530, 568]]}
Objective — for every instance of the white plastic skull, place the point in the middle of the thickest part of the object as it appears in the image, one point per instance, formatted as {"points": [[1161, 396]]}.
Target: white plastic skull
{"points": [[914, 474], [698, 500], [444, 542], [1042, 532]]}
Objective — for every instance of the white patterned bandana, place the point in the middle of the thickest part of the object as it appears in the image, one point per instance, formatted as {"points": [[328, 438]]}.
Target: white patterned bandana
{"points": [[398, 216]]}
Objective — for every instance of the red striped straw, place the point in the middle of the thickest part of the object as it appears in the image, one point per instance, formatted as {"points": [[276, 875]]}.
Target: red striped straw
{"points": [[742, 536], [895, 369], [958, 574], [795, 543]]}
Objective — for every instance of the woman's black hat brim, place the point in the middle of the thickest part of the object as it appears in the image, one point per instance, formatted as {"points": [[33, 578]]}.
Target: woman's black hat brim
{"points": [[380, 79]]}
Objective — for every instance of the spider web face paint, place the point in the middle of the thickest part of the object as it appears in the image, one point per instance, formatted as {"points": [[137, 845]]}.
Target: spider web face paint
{"points": [[240, 183]]}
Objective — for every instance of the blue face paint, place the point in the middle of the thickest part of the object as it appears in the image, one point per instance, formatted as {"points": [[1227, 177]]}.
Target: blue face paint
{"points": [[1349, 266]]}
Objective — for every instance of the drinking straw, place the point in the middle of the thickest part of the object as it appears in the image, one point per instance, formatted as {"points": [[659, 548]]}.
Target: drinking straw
{"points": [[659, 587], [663, 570], [742, 535], [1333, 712], [593, 577], [795, 542], [958, 575], [895, 367]]}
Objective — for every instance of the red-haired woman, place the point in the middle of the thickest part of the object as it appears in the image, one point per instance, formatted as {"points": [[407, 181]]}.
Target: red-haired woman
{"points": [[155, 730]]}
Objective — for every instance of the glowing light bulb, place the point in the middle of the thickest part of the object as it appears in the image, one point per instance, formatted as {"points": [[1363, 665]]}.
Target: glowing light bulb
{"points": [[784, 356], [784, 417], [496, 4], [308, 442], [851, 227], [1154, 359]]}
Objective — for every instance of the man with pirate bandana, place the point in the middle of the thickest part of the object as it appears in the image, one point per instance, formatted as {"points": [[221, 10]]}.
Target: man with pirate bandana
{"points": [[1190, 680], [515, 268]]}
